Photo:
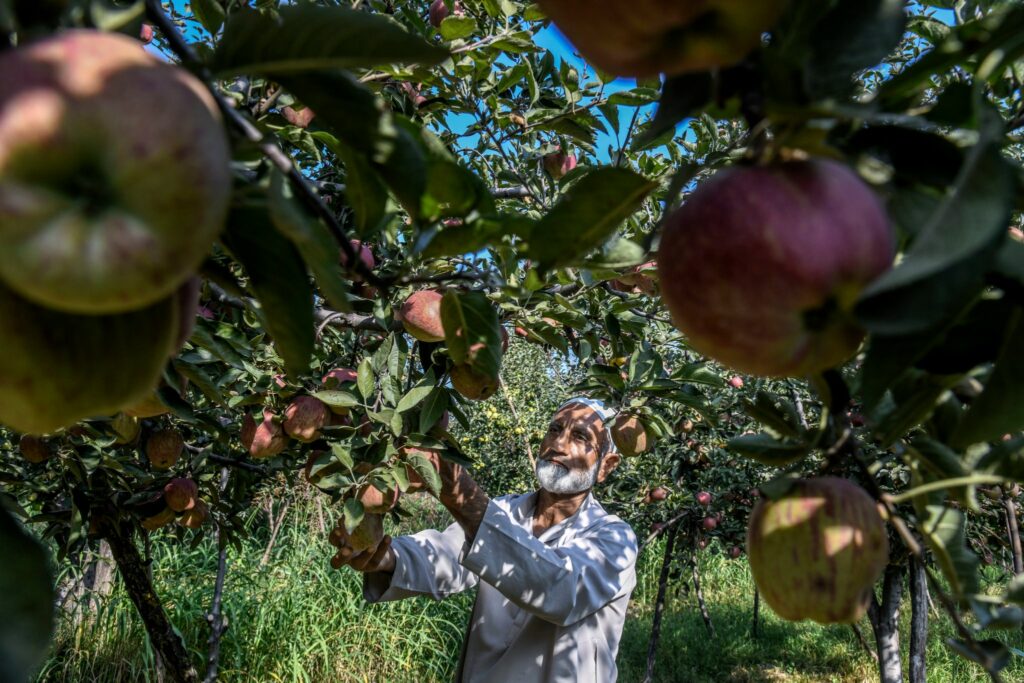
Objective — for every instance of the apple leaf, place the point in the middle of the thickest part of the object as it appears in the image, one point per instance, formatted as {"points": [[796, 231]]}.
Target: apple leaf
{"points": [[432, 409], [1000, 407], [308, 38], [944, 530], [417, 393], [26, 601], [472, 331], [277, 276], [311, 238], [768, 450], [210, 14], [589, 211]]}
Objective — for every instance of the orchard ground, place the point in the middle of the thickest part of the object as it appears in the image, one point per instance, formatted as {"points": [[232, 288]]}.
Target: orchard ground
{"points": [[295, 619]]}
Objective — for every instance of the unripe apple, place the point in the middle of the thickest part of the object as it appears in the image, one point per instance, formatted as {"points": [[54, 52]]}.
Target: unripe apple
{"points": [[648, 37], [181, 494], [164, 447], [34, 449], [557, 164], [304, 417], [472, 383], [421, 316], [816, 552], [709, 523], [263, 440], [114, 173], [126, 427], [629, 435], [762, 265], [439, 11], [196, 516], [368, 534], [704, 498]]}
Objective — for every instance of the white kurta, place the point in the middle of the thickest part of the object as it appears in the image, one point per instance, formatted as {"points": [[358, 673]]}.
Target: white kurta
{"points": [[549, 608]]}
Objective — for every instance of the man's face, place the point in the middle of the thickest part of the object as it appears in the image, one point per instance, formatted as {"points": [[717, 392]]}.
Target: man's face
{"points": [[570, 455]]}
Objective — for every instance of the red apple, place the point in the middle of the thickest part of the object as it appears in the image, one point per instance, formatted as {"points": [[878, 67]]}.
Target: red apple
{"points": [[440, 9], [558, 163], [736, 382], [365, 255], [704, 498], [421, 316], [761, 267], [709, 523], [298, 117], [146, 33]]}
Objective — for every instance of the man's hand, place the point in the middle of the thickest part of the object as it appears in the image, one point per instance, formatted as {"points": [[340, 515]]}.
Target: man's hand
{"points": [[377, 558]]}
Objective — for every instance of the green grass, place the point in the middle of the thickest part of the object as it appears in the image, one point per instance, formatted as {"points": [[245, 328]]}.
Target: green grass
{"points": [[297, 620]]}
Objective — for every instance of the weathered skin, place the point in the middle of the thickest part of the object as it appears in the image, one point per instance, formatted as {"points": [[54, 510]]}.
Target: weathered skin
{"points": [[748, 265], [421, 316], [816, 552], [58, 368], [629, 436], [114, 173], [648, 37]]}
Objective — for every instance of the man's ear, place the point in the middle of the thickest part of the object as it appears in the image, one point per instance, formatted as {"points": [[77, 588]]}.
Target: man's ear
{"points": [[608, 464]]}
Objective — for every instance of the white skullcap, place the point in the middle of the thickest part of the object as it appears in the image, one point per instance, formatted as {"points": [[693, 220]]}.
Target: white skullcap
{"points": [[604, 412]]}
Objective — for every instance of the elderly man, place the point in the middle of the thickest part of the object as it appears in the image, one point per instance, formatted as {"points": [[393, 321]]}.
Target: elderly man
{"points": [[555, 570]]}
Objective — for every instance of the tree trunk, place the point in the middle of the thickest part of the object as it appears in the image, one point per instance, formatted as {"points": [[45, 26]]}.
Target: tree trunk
{"points": [[659, 604], [1011, 524], [755, 628], [700, 596], [884, 616], [918, 621], [165, 641]]}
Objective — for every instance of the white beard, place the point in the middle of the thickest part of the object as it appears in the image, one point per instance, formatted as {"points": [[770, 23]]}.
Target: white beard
{"points": [[556, 479]]}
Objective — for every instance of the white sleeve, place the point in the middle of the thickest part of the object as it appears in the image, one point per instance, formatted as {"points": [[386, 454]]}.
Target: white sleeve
{"points": [[426, 563], [561, 585]]}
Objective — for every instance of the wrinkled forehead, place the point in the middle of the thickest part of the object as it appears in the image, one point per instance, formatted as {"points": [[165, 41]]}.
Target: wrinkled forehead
{"points": [[579, 414]]}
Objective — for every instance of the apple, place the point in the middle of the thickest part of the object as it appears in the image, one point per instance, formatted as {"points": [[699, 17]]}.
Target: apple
{"points": [[472, 383], [629, 435], [377, 501], [558, 163], [146, 33], [196, 516], [648, 37], [817, 551], [736, 382], [164, 447], [304, 417], [657, 494], [413, 93], [126, 427], [406, 453], [114, 173], [709, 523], [421, 316], [300, 118], [735, 552], [34, 449], [263, 440], [365, 254], [761, 266], [181, 494], [704, 499], [440, 9]]}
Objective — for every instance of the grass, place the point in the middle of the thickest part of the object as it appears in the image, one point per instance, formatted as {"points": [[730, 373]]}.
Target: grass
{"points": [[295, 619]]}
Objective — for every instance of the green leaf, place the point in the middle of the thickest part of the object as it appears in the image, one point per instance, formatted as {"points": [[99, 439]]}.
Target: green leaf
{"points": [[768, 450], [420, 391], [775, 413], [1000, 407], [425, 469], [433, 408], [200, 379], [589, 211], [944, 529], [471, 331], [311, 238], [456, 27], [210, 14], [310, 38], [354, 514], [336, 398], [26, 602], [365, 380], [364, 191], [942, 270], [277, 276]]}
